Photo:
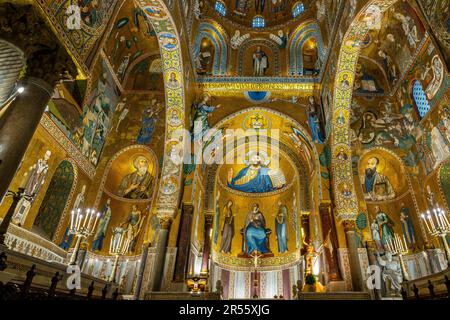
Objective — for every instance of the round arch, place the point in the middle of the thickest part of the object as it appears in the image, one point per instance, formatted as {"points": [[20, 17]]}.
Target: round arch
{"points": [[310, 146]]}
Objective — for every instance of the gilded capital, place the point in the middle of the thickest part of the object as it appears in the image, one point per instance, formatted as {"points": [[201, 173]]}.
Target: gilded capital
{"points": [[165, 222], [349, 225]]}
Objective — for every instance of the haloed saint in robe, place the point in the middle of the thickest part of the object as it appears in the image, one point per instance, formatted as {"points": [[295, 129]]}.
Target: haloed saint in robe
{"points": [[228, 228], [137, 185], [257, 177], [255, 232], [281, 228]]}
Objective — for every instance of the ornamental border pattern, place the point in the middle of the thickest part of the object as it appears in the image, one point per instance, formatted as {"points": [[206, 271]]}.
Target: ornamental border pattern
{"points": [[169, 41], [347, 208], [68, 146]]}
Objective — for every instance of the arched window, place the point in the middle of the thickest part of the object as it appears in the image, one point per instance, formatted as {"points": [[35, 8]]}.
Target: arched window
{"points": [[259, 22], [420, 98], [221, 8], [298, 9]]}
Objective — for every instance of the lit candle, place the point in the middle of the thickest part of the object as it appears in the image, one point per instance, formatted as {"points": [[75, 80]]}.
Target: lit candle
{"points": [[77, 221], [72, 217], [438, 218], [395, 244], [430, 218], [91, 217], [88, 211], [389, 245], [111, 248], [425, 221], [399, 243], [406, 245], [95, 222], [80, 221], [444, 216]]}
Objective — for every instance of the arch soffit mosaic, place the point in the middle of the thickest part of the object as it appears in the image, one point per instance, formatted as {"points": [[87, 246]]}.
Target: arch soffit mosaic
{"points": [[171, 54], [347, 208]]}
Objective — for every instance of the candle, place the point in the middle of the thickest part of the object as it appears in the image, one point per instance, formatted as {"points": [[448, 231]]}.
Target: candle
{"points": [[406, 245], [88, 211], [72, 216], [399, 243], [95, 222], [425, 221], [111, 248], [389, 245], [444, 216], [89, 225], [430, 218], [438, 218], [79, 222]]}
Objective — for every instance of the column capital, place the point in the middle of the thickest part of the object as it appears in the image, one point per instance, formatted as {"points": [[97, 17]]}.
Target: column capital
{"points": [[209, 219], [187, 208], [349, 225], [165, 222], [46, 58]]}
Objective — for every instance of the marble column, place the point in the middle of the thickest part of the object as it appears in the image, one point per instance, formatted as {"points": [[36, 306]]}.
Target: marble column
{"points": [[329, 234], [209, 218], [352, 244], [161, 250], [140, 272], [183, 242]]}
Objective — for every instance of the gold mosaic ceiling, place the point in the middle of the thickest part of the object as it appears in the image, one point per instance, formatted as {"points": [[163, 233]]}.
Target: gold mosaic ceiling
{"points": [[275, 12]]}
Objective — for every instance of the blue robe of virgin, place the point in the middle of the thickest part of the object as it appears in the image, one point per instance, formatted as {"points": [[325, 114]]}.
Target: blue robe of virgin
{"points": [[67, 240], [281, 228], [260, 184], [313, 123], [255, 235], [148, 128]]}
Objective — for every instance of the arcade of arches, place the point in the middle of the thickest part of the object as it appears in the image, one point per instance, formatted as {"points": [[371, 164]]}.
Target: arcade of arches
{"points": [[233, 149]]}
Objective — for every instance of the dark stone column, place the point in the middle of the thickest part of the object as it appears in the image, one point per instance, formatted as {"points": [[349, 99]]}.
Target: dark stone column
{"points": [[209, 218], [183, 242], [329, 234], [47, 62], [161, 250], [17, 127], [352, 244], [141, 270], [305, 228]]}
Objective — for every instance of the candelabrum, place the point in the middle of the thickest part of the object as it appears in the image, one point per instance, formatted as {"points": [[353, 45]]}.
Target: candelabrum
{"points": [[437, 225], [82, 226], [118, 247], [398, 247], [197, 284]]}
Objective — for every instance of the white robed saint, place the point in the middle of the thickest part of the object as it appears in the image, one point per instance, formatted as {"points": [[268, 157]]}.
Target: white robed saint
{"points": [[260, 62]]}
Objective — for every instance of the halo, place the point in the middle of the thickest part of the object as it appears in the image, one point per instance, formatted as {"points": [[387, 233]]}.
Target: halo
{"points": [[136, 156], [265, 160], [206, 95], [382, 161]]}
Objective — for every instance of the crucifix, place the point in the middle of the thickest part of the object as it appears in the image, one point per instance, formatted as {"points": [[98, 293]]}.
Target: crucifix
{"points": [[256, 256]]}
